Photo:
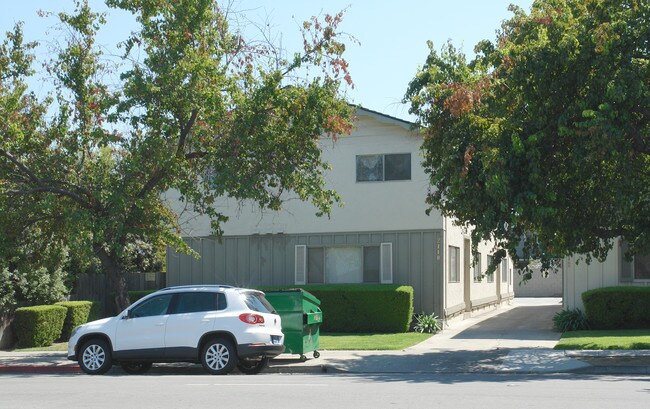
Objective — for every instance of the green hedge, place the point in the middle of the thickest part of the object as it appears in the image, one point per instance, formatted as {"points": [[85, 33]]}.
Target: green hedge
{"points": [[39, 325], [136, 295], [78, 312], [356, 308], [362, 308], [618, 307]]}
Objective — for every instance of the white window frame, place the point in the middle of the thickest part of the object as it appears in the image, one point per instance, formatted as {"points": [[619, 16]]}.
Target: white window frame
{"points": [[300, 273], [386, 263]]}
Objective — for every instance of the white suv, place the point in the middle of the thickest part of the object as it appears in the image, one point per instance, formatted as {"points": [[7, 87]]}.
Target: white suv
{"points": [[219, 326]]}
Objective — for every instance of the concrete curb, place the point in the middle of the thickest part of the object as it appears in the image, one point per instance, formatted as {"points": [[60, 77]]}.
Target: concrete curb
{"points": [[40, 369]]}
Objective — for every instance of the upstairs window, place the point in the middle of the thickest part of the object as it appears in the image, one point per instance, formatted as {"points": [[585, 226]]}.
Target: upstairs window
{"points": [[378, 168]]}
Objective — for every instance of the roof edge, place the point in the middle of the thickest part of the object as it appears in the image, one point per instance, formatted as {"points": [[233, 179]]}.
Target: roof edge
{"points": [[408, 125]]}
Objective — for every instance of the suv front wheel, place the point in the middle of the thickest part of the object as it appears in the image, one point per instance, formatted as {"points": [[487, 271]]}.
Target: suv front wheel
{"points": [[219, 356], [95, 357]]}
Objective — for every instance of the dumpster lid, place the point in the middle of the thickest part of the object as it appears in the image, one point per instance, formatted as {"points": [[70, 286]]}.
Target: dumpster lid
{"points": [[305, 294]]}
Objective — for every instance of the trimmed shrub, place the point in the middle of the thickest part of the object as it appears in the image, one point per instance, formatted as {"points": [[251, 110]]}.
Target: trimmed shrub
{"points": [[78, 312], [618, 307], [38, 326], [362, 308], [570, 320]]}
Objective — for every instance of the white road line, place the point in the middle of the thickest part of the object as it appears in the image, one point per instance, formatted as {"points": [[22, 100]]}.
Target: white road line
{"points": [[293, 385]]}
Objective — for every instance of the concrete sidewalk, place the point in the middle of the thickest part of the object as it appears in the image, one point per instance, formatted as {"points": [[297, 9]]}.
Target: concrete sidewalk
{"points": [[511, 339]]}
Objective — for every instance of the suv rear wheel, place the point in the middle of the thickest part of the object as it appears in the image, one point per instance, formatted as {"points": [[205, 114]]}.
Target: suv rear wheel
{"points": [[95, 357], [219, 356]]}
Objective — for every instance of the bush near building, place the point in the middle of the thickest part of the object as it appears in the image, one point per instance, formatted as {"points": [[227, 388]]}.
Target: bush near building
{"points": [[618, 307]]}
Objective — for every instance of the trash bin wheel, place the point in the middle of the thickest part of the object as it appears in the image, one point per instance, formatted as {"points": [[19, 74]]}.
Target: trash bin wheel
{"points": [[303, 358], [316, 354]]}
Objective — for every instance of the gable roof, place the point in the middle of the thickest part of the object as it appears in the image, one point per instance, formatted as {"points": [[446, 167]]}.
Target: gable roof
{"points": [[387, 119]]}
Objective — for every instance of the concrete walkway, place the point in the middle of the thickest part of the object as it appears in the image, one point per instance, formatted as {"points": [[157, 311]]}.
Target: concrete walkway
{"points": [[511, 339]]}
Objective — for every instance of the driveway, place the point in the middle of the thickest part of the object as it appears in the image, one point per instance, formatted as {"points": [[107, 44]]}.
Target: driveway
{"points": [[514, 338]]}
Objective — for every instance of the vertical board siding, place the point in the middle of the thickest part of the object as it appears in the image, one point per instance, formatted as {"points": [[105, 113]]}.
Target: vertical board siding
{"points": [[415, 270], [428, 267], [270, 260]]}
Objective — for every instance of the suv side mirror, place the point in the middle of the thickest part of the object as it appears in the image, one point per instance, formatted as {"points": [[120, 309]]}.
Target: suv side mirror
{"points": [[127, 316]]}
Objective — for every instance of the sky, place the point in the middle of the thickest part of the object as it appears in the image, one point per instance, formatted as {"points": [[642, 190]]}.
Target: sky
{"points": [[391, 36]]}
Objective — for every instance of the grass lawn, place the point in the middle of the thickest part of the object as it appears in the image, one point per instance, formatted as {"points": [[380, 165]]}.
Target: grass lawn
{"points": [[372, 342], [608, 339]]}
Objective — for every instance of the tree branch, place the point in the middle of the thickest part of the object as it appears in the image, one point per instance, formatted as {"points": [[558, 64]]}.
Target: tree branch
{"points": [[20, 166], [57, 191], [195, 155], [186, 131], [161, 173], [40, 184]]}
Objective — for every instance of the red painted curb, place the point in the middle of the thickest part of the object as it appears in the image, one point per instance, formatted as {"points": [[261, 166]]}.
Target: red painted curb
{"points": [[44, 369]]}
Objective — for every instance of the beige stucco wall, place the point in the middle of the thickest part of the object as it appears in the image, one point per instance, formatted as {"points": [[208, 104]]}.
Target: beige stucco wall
{"points": [[481, 294], [367, 206]]}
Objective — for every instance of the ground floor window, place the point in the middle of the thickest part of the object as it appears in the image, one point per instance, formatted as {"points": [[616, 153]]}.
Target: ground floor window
{"points": [[344, 264], [454, 264], [641, 266], [478, 274], [490, 277], [638, 268]]}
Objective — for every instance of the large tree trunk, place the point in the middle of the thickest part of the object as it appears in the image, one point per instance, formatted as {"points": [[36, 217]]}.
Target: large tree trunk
{"points": [[116, 278]]}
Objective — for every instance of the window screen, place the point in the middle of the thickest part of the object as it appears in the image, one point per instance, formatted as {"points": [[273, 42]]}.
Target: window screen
{"points": [[477, 268], [315, 265], [490, 277], [371, 258], [642, 266], [370, 168], [397, 167]]}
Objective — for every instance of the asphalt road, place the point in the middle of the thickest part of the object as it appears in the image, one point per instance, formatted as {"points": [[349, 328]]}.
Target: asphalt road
{"points": [[457, 391]]}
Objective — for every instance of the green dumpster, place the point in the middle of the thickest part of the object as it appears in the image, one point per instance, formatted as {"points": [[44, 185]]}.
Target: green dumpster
{"points": [[301, 319]]}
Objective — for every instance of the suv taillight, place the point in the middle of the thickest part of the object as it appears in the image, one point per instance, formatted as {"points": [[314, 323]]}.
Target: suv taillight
{"points": [[251, 319]]}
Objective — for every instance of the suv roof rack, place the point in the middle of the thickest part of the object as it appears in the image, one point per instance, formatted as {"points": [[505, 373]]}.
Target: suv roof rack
{"points": [[196, 286]]}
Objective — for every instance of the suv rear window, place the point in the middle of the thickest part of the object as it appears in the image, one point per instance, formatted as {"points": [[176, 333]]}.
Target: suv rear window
{"points": [[198, 302], [257, 302]]}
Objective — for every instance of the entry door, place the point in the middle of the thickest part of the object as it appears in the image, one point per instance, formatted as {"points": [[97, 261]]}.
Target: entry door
{"points": [[467, 273]]}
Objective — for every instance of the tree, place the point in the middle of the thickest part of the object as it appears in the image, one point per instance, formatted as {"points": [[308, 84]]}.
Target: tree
{"points": [[89, 164], [544, 135]]}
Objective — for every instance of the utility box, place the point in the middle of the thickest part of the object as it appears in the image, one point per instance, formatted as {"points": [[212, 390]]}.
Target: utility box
{"points": [[301, 320]]}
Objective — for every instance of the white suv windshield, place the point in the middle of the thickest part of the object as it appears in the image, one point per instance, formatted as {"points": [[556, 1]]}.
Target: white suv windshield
{"points": [[257, 302]]}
